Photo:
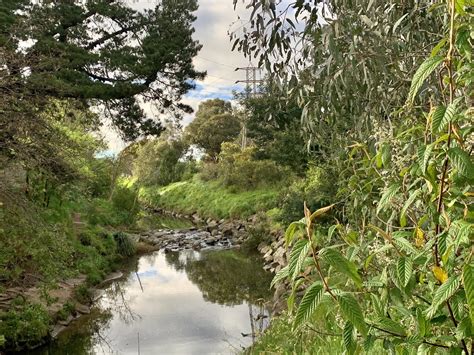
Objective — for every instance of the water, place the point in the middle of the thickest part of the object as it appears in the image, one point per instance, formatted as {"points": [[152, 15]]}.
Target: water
{"points": [[176, 303]]}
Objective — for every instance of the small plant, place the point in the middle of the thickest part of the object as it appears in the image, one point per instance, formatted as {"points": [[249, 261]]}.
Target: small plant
{"points": [[125, 246]]}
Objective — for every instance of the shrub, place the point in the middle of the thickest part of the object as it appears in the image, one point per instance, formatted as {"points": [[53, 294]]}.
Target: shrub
{"points": [[258, 232], [25, 327], [316, 190], [238, 169], [125, 246]]}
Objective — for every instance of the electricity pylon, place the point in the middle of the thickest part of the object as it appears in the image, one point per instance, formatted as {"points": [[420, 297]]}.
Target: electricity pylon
{"points": [[252, 81]]}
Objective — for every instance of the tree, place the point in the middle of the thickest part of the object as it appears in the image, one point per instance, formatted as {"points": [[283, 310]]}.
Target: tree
{"points": [[273, 126], [390, 93], [157, 162], [334, 62], [213, 125], [102, 52]]}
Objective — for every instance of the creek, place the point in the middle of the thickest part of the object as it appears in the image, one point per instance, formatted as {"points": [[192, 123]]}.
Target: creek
{"points": [[184, 302]]}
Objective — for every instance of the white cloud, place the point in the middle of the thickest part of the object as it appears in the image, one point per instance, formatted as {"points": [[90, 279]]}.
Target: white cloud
{"points": [[214, 17]]}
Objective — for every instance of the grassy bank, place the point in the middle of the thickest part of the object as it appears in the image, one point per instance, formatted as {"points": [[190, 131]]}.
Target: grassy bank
{"points": [[42, 246], [210, 199]]}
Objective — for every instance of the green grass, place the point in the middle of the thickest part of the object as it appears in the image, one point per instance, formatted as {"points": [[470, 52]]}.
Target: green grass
{"points": [[210, 199], [40, 246]]}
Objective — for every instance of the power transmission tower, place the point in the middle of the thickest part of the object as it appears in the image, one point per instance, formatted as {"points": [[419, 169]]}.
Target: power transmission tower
{"points": [[252, 81]]}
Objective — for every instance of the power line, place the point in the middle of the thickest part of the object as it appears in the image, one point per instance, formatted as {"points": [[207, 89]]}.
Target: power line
{"points": [[213, 61]]}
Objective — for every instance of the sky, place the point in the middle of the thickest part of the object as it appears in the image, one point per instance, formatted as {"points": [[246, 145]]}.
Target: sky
{"points": [[216, 58]]}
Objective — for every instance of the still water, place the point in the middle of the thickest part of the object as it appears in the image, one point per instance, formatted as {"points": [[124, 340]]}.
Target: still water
{"points": [[175, 303]]}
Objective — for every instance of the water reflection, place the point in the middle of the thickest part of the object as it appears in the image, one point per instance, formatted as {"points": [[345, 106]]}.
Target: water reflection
{"points": [[188, 302]]}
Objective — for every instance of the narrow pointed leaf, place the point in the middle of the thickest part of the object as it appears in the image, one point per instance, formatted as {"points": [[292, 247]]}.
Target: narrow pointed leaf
{"points": [[341, 264], [461, 161], [387, 197], [348, 338], [407, 205], [442, 294], [320, 212], [404, 270], [296, 251], [424, 154]]}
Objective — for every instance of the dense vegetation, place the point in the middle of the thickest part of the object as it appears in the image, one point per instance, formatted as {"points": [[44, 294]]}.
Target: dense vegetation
{"points": [[386, 100]]}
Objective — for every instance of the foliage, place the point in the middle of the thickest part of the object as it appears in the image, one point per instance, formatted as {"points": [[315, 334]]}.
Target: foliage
{"points": [[209, 199], [258, 232], [316, 189], [103, 50], [397, 266], [158, 162], [214, 124], [273, 127], [308, 340], [125, 246], [25, 327], [237, 168], [335, 58]]}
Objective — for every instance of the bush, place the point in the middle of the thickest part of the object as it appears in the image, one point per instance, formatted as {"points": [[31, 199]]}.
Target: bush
{"points": [[317, 190], [238, 169], [125, 246], [258, 232], [25, 327]]}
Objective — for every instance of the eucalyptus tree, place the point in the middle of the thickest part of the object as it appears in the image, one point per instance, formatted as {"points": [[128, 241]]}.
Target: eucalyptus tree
{"points": [[346, 62], [387, 87]]}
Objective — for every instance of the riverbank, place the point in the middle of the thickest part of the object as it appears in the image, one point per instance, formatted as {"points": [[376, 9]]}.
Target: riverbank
{"points": [[209, 199]]}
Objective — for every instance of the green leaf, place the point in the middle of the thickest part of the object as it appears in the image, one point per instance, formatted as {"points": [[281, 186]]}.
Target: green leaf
{"points": [[422, 323], [405, 207], [460, 231], [296, 251], [280, 275], [468, 282], [438, 47], [424, 154], [348, 338], [391, 325], [464, 329], [387, 197], [402, 243], [461, 161], [351, 311], [308, 304], [437, 117], [404, 270], [301, 258], [442, 294], [341, 264], [443, 116], [369, 343], [292, 229], [423, 72]]}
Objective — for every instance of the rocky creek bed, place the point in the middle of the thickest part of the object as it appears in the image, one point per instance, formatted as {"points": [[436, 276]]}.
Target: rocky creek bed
{"points": [[205, 235]]}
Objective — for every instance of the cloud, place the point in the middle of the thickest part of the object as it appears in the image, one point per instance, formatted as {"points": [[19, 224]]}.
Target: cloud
{"points": [[214, 17]]}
